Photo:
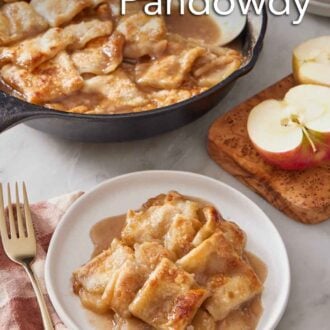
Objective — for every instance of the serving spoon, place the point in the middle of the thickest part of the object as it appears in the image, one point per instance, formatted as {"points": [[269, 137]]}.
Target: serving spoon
{"points": [[231, 26]]}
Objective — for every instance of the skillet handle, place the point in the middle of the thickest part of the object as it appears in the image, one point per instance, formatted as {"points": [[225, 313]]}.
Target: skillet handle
{"points": [[13, 112]]}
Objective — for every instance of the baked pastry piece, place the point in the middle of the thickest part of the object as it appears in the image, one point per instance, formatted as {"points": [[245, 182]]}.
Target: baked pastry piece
{"points": [[101, 56], [94, 275], [119, 91], [213, 223], [153, 223], [59, 12], [169, 299], [31, 53], [230, 292], [149, 255], [180, 234], [86, 31], [110, 280], [169, 71], [123, 286], [213, 256], [51, 80], [19, 20], [90, 280], [216, 65], [145, 35], [209, 261], [165, 97]]}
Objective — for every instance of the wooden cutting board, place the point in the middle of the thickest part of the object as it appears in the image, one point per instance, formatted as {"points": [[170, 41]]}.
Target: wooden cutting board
{"points": [[302, 195]]}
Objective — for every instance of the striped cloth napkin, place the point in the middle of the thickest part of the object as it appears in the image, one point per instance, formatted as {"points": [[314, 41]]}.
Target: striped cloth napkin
{"points": [[18, 306]]}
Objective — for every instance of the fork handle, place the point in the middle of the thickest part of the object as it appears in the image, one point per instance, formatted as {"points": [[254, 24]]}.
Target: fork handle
{"points": [[46, 320]]}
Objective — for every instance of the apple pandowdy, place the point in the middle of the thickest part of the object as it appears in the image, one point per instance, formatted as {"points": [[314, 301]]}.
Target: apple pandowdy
{"points": [[177, 264], [82, 56]]}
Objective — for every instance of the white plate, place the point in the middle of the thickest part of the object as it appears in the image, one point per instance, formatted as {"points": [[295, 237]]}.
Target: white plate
{"points": [[70, 246]]}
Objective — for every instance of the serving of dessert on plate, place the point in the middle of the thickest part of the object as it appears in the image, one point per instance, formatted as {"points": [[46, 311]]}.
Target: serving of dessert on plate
{"points": [[176, 264], [84, 57]]}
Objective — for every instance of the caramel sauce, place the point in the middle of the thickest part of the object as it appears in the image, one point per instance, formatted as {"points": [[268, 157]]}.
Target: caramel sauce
{"points": [[103, 232], [246, 318], [197, 27], [101, 322], [258, 265]]}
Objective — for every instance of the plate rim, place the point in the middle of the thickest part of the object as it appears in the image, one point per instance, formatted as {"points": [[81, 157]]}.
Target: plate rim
{"points": [[274, 320]]}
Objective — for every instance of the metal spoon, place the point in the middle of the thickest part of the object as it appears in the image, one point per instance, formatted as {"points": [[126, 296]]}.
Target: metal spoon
{"points": [[231, 26]]}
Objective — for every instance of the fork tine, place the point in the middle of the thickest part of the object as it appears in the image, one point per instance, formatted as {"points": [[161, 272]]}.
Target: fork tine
{"points": [[12, 227], [21, 231], [27, 213], [3, 226]]}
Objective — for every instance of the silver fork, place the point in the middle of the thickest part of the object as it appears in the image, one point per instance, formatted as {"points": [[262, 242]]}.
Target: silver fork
{"points": [[20, 245]]}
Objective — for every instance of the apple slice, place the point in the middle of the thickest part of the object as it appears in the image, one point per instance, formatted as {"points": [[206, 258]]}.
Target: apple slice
{"points": [[293, 134], [311, 62], [314, 104]]}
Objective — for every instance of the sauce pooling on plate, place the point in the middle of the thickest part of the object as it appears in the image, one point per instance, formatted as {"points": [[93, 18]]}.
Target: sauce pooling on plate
{"points": [[105, 231]]}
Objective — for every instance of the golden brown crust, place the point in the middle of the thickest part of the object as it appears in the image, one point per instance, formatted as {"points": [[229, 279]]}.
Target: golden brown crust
{"points": [[160, 68], [148, 281], [145, 35], [58, 12], [149, 254], [153, 223], [31, 53], [18, 21], [231, 291], [180, 235], [169, 299], [51, 80], [214, 255]]}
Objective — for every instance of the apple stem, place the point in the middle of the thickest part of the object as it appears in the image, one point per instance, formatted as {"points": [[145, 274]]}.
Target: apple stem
{"points": [[309, 138]]}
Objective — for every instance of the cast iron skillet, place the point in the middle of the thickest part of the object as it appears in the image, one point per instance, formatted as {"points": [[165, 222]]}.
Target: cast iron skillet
{"points": [[131, 126]]}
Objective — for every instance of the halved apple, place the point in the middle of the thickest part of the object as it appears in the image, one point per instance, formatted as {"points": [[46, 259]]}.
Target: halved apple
{"points": [[311, 62], [294, 133]]}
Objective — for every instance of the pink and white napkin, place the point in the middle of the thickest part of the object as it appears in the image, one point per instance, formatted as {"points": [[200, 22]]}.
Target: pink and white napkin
{"points": [[18, 306]]}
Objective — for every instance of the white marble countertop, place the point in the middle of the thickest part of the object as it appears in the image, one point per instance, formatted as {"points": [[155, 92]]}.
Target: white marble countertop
{"points": [[51, 166]]}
